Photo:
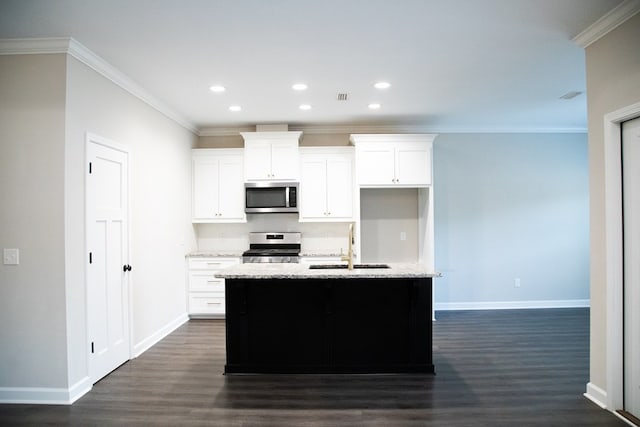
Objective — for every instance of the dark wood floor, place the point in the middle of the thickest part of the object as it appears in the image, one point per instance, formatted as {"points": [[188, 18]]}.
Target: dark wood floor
{"points": [[494, 368]]}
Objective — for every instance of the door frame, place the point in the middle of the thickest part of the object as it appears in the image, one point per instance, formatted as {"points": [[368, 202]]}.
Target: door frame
{"points": [[91, 138], [614, 259]]}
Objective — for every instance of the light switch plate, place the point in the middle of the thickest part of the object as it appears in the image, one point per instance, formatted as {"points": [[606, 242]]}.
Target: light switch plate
{"points": [[11, 257]]}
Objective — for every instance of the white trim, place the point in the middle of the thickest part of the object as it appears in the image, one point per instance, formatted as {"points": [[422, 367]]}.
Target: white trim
{"points": [[45, 395], [87, 57], [157, 336], [596, 395], [510, 305], [34, 46], [624, 419], [347, 129], [607, 23], [613, 246], [75, 49]]}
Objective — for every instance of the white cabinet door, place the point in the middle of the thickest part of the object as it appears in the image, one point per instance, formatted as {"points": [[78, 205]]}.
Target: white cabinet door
{"points": [[313, 188], [393, 160], [271, 156], [218, 186], [231, 188], [205, 188], [413, 164], [376, 164], [340, 188], [257, 160], [284, 160], [326, 186]]}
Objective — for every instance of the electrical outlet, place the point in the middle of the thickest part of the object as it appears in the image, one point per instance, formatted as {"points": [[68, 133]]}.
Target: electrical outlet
{"points": [[11, 257], [516, 282], [403, 236]]}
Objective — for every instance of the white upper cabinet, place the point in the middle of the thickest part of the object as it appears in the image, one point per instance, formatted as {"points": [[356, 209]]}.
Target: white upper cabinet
{"points": [[327, 184], [217, 185], [271, 156], [393, 160]]}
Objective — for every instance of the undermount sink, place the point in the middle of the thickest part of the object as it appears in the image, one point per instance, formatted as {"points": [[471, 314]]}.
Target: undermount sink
{"points": [[344, 266]]}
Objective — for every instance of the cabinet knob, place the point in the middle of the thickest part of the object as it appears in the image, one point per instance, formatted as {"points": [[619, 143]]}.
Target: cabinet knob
{"points": [[126, 268]]}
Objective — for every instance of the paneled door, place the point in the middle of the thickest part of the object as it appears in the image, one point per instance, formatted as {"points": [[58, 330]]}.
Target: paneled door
{"points": [[631, 224], [107, 200]]}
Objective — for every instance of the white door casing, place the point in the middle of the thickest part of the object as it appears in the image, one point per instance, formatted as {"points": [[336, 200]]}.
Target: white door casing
{"points": [[612, 397], [631, 230], [108, 293]]}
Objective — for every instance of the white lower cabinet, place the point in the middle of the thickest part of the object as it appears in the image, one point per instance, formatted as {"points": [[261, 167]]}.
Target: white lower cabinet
{"points": [[206, 292]]}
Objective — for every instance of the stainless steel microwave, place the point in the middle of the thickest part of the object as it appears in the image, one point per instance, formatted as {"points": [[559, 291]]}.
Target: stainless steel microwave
{"points": [[271, 197]]}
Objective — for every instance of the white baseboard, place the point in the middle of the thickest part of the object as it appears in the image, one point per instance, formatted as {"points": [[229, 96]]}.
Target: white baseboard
{"points": [[596, 395], [45, 395], [507, 305], [154, 338], [66, 396]]}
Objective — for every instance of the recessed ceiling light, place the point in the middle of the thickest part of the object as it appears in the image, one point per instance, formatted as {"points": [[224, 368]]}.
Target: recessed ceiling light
{"points": [[374, 106], [382, 85], [217, 88], [305, 107], [299, 86], [235, 108]]}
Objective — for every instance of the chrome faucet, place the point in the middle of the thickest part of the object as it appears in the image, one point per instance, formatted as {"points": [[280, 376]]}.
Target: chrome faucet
{"points": [[349, 256]]}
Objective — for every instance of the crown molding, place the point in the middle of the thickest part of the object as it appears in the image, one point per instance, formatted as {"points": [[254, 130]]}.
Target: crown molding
{"points": [[394, 129], [87, 57], [34, 46], [226, 130], [607, 23], [72, 47]]}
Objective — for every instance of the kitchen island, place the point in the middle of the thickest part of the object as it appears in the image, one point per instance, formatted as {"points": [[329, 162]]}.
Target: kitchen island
{"points": [[290, 318]]}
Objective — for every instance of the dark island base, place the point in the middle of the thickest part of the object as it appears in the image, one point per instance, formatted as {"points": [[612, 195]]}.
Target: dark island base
{"points": [[315, 326]]}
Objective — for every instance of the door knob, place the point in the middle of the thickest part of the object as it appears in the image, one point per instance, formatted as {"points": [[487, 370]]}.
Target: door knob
{"points": [[126, 268]]}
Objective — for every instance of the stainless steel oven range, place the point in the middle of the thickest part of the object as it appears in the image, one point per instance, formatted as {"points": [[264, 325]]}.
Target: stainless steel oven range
{"points": [[273, 247]]}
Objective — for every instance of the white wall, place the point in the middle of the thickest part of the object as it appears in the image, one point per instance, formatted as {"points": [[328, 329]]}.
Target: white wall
{"points": [[511, 206], [613, 82], [233, 239], [384, 214], [32, 297], [160, 203], [49, 103]]}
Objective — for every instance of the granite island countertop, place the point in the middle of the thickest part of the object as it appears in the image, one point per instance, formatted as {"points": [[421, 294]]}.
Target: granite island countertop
{"points": [[302, 271]]}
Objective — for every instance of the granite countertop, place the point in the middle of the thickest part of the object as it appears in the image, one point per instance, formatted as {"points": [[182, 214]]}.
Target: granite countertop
{"points": [[213, 254], [302, 271]]}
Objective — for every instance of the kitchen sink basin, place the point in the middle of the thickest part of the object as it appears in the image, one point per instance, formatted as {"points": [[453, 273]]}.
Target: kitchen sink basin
{"points": [[344, 266]]}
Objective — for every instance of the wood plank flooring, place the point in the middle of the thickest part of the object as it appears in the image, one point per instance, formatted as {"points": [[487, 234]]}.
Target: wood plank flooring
{"points": [[494, 368]]}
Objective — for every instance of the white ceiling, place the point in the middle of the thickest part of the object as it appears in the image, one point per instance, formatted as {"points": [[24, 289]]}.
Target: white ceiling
{"points": [[454, 65]]}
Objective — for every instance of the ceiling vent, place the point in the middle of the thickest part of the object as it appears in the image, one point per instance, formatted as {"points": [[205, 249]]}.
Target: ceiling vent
{"points": [[342, 96], [570, 95]]}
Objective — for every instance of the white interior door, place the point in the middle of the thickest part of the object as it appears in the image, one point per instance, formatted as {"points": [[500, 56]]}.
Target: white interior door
{"points": [[107, 245], [631, 223]]}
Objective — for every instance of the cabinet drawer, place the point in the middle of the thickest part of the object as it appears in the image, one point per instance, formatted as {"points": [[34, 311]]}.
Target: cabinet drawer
{"points": [[213, 263], [205, 281], [206, 303]]}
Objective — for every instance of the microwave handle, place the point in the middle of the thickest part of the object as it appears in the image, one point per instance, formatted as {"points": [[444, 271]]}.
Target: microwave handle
{"points": [[286, 196]]}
